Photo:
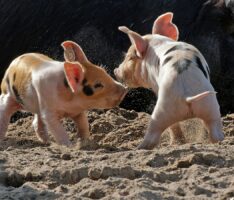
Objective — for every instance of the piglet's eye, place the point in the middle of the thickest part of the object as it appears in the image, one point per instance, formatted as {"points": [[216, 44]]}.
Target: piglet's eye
{"points": [[98, 85], [133, 56]]}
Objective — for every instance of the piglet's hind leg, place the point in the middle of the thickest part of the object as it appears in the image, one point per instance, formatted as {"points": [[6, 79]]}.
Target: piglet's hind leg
{"points": [[208, 110], [215, 129], [7, 107], [40, 129]]}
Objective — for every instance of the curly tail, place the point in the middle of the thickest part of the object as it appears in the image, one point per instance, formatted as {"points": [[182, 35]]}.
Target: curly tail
{"points": [[199, 96]]}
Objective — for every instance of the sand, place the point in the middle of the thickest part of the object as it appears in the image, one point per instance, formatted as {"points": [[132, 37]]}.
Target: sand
{"points": [[108, 166]]}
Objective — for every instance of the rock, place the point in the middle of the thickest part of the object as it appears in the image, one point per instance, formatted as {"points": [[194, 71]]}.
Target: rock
{"points": [[14, 179], [66, 156], [94, 193], [212, 169], [3, 177], [94, 173]]}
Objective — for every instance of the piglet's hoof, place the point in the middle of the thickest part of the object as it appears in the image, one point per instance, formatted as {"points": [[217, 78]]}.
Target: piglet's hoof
{"points": [[65, 143], [44, 140], [218, 137], [146, 145], [150, 141]]}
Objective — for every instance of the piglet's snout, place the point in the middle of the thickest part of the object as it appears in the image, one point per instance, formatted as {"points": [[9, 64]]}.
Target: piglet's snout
{"points": [[117, 75], [116, 71]]}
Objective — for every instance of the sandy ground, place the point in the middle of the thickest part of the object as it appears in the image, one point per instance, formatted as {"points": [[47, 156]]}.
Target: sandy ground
{"points": [[109, 167]]}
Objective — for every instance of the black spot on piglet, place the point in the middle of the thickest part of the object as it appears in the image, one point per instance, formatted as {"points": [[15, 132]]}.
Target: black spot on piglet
{"points": [[167, 60], [84, 81], [14, 77], [88, 90], [200, 66], [65, 83], [17, 96], [182, 65]]}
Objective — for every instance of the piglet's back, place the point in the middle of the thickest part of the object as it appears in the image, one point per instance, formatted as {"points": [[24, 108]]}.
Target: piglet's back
{"points": [[18, 75]]}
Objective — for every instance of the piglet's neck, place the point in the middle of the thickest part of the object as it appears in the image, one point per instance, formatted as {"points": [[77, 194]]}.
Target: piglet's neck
{"points": [[151, 62], [150, 68]]}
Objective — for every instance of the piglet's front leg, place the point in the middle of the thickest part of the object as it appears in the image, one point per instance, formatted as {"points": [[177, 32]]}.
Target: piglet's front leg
{"points": [[82, 123], [54, 126]]}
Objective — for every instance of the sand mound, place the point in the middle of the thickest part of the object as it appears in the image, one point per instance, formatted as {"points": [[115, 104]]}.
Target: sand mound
{"points": [[109, 167]]}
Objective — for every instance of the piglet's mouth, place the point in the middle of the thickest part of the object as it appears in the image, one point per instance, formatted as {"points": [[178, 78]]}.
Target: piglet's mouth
{"points": [[121, 80], [125, 92], [122, 96]]}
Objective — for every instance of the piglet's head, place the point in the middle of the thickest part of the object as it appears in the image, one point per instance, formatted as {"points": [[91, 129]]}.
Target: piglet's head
{"points": [[130, 70], [91, 84]]}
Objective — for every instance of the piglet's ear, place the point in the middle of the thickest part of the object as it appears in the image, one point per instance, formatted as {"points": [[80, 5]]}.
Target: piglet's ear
{"points": [[137, 40], [73, 52], [163, 25], [74, 73]]}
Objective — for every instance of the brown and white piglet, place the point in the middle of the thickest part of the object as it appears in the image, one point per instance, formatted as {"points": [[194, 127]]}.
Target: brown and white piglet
{"points": [[177, 73], [52, 90]]}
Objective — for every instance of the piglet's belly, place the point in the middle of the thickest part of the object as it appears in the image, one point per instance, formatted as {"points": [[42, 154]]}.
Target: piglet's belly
{"points": [[30, 102], [31, 106]]}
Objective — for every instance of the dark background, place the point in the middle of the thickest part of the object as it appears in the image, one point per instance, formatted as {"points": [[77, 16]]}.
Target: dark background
{"points": [[41, 26]]}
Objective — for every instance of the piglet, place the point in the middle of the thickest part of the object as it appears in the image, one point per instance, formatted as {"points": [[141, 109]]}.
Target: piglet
{"points": [[52, 90], [177, 73]]}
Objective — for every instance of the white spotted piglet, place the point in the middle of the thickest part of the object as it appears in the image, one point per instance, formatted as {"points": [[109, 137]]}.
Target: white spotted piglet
{"points": [[177, 73], [52, 90]]}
